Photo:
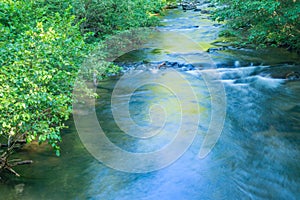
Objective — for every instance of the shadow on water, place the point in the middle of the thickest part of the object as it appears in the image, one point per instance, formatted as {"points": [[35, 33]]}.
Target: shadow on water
{"points": [[256, 157]]}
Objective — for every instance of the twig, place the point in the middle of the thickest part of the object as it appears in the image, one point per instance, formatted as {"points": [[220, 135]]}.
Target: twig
{"points": [[25, 162], [12, 171]]}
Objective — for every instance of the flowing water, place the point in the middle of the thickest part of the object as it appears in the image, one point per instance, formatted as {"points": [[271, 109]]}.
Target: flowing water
{"points": [[257, 154]]}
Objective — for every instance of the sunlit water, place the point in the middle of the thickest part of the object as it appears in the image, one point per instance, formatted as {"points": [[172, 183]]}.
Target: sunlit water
{"points": [[256, 157]]}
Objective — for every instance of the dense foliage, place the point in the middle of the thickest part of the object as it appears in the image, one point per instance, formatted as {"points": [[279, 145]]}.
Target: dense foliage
{"points": [[263, 22], [105, 17], [42, 46], [41, 51]]}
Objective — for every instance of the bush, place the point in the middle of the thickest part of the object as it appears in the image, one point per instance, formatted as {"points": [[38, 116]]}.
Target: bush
{"points": [[106, 17], [42, 46], [41, 52], [264, 23]]}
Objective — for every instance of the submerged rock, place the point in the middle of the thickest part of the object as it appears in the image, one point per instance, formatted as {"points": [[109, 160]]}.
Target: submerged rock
{"points": [[189, 27], [155, 66], [205, 12], [292, 76], [188, 6], [171, 6], [19, 188], [217, 25], [237, 63], [211, 50]]}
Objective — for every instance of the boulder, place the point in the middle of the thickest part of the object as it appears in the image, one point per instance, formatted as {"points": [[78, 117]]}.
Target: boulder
{"points": [[205, 12], [171, 6], [292, 76], [189, 6], [211, 50]]}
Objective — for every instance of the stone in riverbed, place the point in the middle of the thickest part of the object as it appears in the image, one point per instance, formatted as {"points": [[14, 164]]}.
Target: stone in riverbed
{"points": [[188, 6], [217, 25], [190, 67], [292, 76], [211, 50], [205, 12], [171, 6]]}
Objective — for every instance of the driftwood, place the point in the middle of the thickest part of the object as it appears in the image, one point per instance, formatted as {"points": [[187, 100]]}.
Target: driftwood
{"points": [[3, 145], [5, 163], [22, 142], [161, 65]]}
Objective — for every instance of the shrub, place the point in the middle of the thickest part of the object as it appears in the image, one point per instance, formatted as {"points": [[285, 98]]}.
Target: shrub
{"points": [[264, 23]]}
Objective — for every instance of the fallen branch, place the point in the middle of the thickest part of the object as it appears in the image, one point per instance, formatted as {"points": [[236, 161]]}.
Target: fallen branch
{"points": [[25, 162], [17, 142], [3, 145], [5, 163], [12, 171]]}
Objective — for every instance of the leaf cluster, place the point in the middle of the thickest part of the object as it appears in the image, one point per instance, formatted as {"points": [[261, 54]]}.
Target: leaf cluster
{"points": [[43, 46], [262, 22], [41, 51], [102, 18]]}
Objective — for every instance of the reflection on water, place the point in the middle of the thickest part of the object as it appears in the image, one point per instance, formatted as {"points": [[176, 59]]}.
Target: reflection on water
{"points": [[256, 157]]}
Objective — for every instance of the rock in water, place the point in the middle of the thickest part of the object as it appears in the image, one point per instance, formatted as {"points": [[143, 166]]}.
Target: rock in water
{"points": [[205, 12], [189, 6], [293, 76], [171, 6], [19, 188], [237, 63]]}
